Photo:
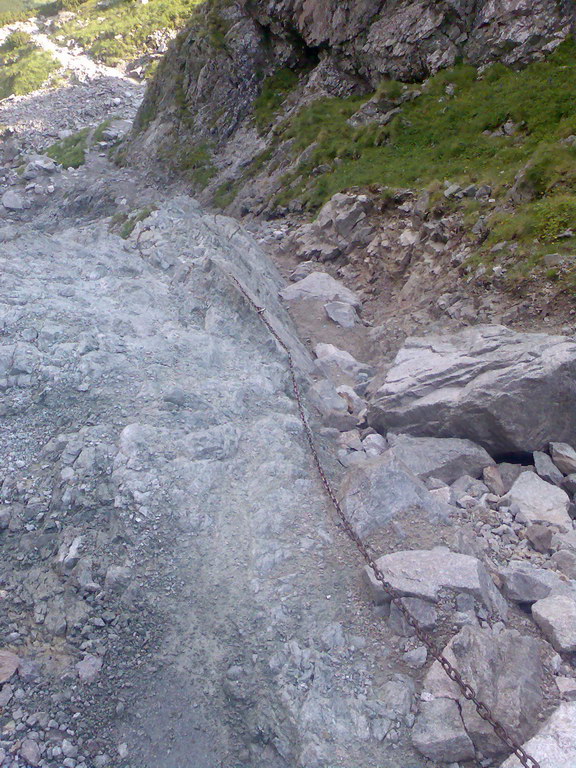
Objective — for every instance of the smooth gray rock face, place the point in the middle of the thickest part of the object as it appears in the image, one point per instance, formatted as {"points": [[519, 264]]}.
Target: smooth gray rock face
{"points": [[539, 501], [524, 583], [320, 286], [564, 456], [446, 459], [554, 746], [547, 469], [439, 732], [556, 617], [426, 574], [506, 671], [383, 490], [489, 384]]}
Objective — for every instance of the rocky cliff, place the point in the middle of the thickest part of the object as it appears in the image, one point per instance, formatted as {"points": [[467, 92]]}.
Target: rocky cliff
{"points": [[215, 98]]}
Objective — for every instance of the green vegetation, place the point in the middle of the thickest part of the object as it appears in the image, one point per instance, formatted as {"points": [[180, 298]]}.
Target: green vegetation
{"points": [[20, 10], [225, 194], [274, 91], [70, 152], [23, 66], [440, 136], [196, 163], [120, 30], [125, 223]]}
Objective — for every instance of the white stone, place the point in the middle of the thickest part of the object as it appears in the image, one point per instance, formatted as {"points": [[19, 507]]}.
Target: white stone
{"points": [[554, 746]]}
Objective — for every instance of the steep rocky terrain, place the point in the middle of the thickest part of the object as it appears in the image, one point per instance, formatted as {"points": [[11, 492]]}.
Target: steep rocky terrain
{"points": [[177, 588]]}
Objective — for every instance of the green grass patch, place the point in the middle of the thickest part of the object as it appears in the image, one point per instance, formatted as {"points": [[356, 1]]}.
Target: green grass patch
{"points": [[20, 10], [120, 30], [274, 91], [225, 194], [124, 224], [196, 163], [444, 134], [70, 152], [23, 66]]}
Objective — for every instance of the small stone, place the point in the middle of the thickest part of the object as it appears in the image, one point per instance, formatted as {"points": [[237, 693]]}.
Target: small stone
{"points": [[524, 583], [416, 658], [540, 536], [493, 480], [9, 663], [118, 578], [89, 668], [556, 617]]}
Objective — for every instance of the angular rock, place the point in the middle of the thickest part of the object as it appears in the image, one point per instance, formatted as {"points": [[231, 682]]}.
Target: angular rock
{"points": [[9, 663], [30, 752], [89, 668], [426, 574], [338, 365], [320, 286], [439, 732], [343, 213], [546, 468], [118, 578], [556, 617], [342, 313], [489, 384], [507, 673], [564, 456], [554, 746], [540, 536], [445, 458], [382, 490], [333, 407], [493, 480], [510, 473], [565, 561], [569, 484], [522, 582], [539, 501]]}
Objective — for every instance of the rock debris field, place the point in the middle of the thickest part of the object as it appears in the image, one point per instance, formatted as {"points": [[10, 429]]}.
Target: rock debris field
{"points": [[175, 588]]}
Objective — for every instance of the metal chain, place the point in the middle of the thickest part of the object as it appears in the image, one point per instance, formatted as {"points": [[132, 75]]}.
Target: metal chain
{"points": [[395, 597]]}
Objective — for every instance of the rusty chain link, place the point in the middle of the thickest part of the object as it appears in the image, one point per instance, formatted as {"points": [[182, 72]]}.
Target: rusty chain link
{"points": [[395, 597]]}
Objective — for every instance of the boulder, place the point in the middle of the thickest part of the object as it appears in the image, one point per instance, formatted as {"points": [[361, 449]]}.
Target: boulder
{"points": [[546, 468], [322, 287], [343, 213], [12, 201], [522, 582], [493, 480], [427, 574], [564, 457], [506, 671], [556, 617], [511, 472], [340, 366], [554, 746], [333, 407], [439, 732], [539, 501], [383, 490], [444, 458], [489, 384], [342, 313]]}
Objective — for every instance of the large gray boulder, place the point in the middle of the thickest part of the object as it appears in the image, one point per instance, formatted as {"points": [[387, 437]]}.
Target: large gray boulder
{"points": [[554, 746], [430, 574], [507, 673], [382, 490], [507, 391], [322, 287], [444, 458], [556, 617], [439, 732]]}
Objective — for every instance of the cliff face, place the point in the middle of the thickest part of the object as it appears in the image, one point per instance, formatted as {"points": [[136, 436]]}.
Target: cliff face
{"points": [[198, 116]]}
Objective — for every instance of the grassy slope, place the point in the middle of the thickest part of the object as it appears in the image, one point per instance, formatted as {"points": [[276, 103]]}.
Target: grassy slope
{"points": [[444, 134], [23, 66], [120, 31]]}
